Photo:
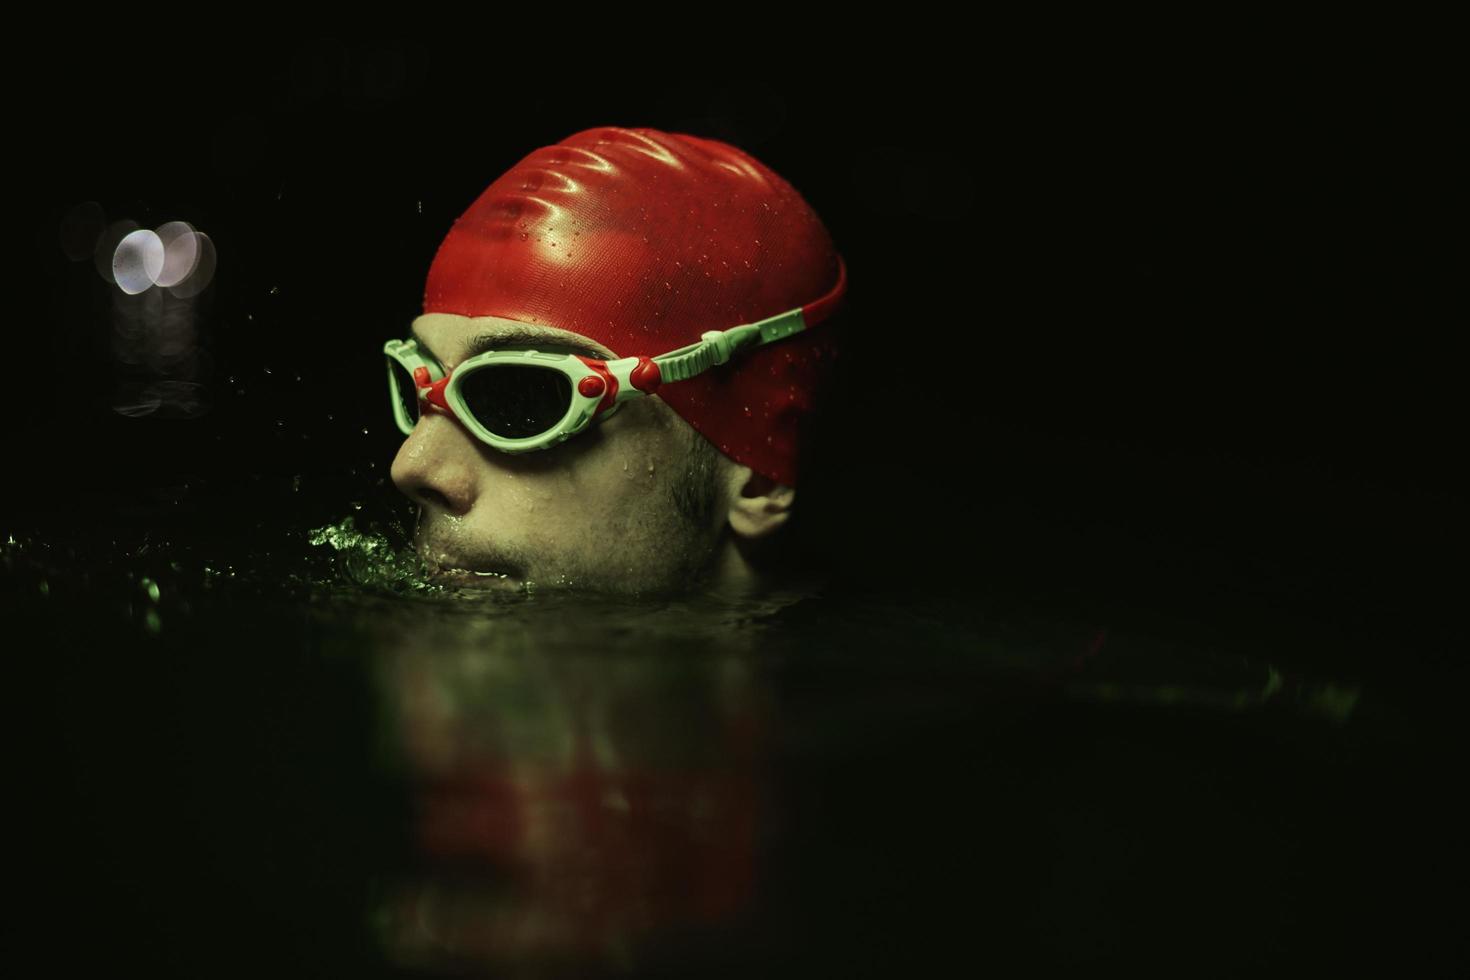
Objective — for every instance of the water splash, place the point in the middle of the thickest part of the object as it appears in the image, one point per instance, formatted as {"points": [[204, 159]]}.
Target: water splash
{"points": [[369, 560]]}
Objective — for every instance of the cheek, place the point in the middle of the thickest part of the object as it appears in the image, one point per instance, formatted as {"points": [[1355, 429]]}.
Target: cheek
{"points": [[603, 494], [627, 470], [573, 511]]}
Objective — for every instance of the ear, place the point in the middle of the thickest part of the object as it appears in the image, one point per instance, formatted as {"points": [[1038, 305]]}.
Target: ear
{"points": [[758, 504]]}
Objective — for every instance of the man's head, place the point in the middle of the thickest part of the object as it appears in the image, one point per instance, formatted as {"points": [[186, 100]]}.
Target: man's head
{"points": [[622, 243]]}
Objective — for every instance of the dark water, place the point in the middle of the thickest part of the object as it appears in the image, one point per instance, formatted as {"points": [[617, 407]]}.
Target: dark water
{"points": [[243, 753]]}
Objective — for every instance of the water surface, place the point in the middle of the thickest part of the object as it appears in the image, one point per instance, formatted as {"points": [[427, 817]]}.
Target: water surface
{"points": [[268, 742]]}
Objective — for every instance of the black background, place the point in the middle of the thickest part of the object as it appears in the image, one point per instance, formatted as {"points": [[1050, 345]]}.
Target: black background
{"points": [[1174, 346]]}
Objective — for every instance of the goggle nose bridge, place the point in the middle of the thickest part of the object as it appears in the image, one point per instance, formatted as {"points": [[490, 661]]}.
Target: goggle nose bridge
{"points": [[431, 391]]}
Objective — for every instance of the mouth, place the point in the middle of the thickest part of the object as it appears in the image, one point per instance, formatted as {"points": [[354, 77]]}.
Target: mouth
{"points": [[449, 569], [473, 578]]}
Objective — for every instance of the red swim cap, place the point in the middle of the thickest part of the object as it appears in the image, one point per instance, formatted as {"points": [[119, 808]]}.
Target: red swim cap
{"points": [[643, 240]]}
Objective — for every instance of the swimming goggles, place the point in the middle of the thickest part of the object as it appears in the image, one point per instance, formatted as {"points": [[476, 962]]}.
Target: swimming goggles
{"points": [[519, 401]]}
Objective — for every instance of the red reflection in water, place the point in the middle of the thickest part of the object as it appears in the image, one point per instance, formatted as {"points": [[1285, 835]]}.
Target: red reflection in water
{"points": [[571, 822]]}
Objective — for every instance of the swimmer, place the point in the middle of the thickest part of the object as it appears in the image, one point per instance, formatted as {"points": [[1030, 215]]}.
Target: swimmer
{"points": [[620, 342]]}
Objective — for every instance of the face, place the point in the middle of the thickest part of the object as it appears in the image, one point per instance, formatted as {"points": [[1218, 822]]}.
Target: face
{"points": [[630, 505]]}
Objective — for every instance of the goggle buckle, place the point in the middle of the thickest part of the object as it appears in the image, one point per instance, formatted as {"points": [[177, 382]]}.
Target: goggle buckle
{"points": [[720, 342]]}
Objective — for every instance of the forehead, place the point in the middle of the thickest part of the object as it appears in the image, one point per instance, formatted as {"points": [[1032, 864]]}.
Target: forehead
{"points": [[452, 338]]}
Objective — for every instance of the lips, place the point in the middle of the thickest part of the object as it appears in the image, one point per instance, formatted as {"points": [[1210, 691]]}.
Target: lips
{"points": [[449, 567], [469, 578], [446, 572]]}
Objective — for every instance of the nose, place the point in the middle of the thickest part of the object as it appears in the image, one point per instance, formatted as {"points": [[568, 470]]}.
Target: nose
{"points": [[435, 465]]}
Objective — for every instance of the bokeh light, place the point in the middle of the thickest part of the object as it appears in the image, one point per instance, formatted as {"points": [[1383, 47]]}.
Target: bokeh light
{"points": [[180, 252], [175, 257], [202, 272], [137, 261], [107, 246]]}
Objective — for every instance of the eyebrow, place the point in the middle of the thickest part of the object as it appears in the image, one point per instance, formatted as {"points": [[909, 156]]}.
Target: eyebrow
{"points": [[512, 337]]}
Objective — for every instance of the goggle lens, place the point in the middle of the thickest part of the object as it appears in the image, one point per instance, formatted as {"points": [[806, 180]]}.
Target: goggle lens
{"points": [[516, 401], [404, 391]]}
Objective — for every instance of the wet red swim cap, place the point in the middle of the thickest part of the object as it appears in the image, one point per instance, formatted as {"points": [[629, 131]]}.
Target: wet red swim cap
{"points": [[643, 240]]}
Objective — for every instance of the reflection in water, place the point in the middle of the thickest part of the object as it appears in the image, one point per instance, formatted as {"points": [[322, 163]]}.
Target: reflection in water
{"points": [[821, 781], [571, 799]]}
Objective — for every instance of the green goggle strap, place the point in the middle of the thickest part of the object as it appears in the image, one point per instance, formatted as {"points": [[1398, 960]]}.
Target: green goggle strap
{"points": [[718, 346]]}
